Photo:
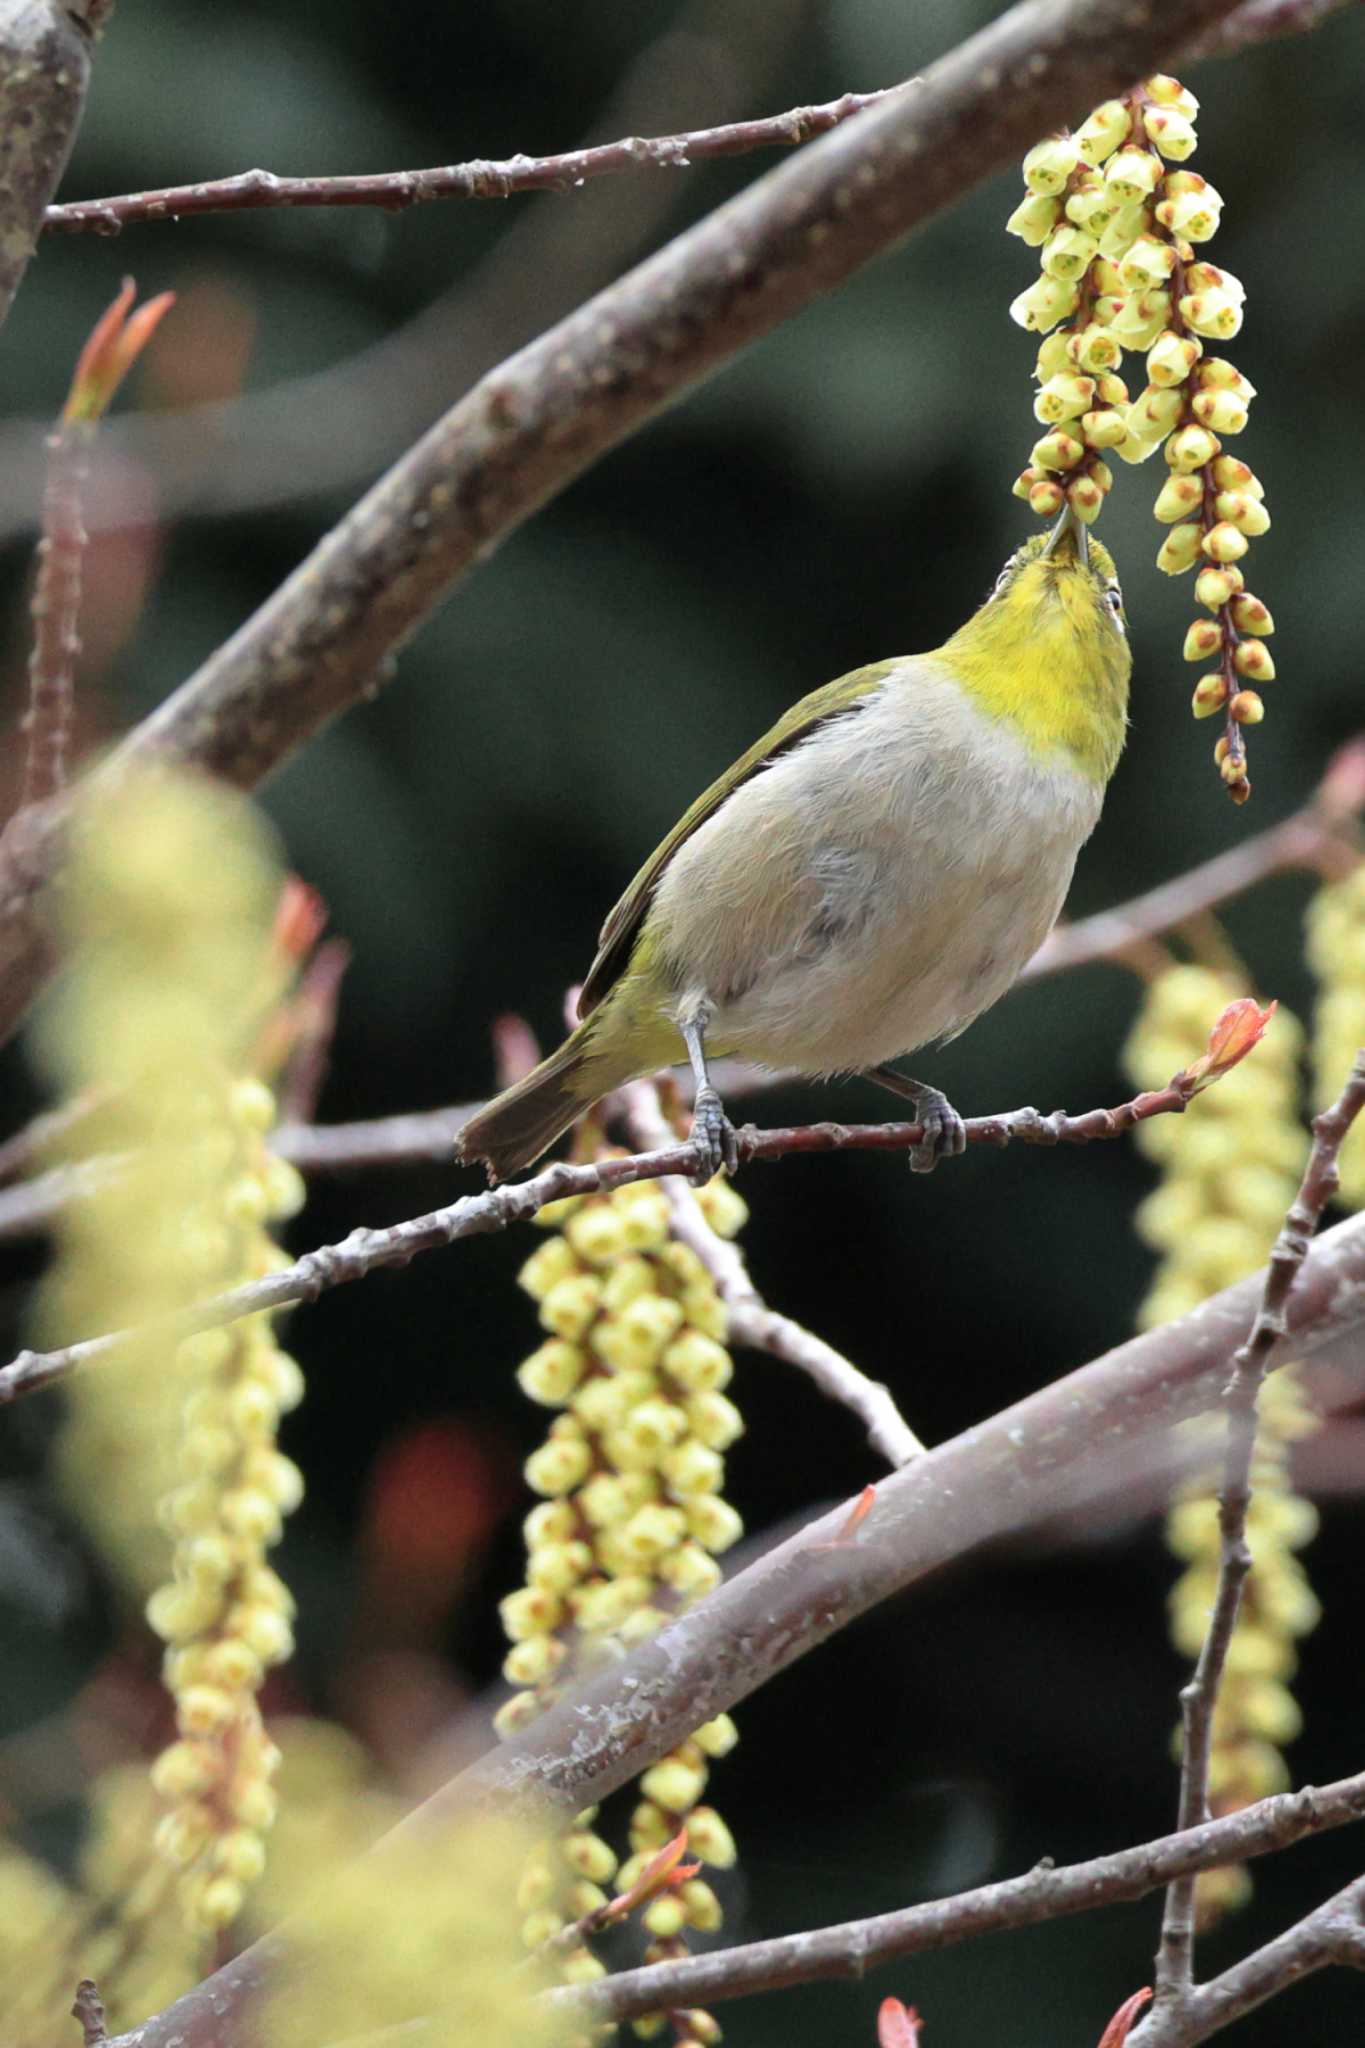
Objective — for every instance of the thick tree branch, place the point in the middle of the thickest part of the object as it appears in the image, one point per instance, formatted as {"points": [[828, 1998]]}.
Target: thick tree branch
{"points": [[366, 1251], [530, 427], [852, 1948], [44, 71], [394, 191], [1056, 1450], [1199, 1699]]}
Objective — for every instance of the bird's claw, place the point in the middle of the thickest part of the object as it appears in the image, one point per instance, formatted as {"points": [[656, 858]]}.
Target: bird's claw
{"points": [[945, 1134], [713, 1134]]}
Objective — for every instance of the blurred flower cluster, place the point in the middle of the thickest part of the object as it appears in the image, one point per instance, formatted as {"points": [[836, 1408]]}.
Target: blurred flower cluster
{"points": [[632, 1471]]}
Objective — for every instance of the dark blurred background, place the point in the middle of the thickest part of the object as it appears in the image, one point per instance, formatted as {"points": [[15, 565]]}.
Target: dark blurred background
{"points": [[840, 494]]}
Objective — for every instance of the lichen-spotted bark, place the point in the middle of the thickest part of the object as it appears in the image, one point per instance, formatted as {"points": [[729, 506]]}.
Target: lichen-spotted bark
{"points": [[44, 70]]}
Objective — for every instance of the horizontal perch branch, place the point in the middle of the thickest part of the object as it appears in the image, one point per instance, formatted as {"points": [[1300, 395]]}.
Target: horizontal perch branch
{"points": [[852, 1948], [365, 1251]]}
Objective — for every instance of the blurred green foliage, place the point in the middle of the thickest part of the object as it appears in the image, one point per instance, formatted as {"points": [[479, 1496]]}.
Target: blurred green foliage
{"points": [[840, 494]]}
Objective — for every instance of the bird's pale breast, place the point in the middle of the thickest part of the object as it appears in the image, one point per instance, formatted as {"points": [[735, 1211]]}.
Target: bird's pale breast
{"points": [[879, 886]]}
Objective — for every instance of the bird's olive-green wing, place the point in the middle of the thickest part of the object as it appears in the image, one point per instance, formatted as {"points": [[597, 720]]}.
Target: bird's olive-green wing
{"points": [[619, 931]]}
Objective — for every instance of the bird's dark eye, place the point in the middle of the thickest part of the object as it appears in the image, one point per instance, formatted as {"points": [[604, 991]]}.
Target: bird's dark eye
{"points": [[1113, 598]]}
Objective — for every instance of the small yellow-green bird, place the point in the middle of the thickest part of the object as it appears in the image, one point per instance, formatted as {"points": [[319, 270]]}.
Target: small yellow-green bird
{"points": [[868, 878]]}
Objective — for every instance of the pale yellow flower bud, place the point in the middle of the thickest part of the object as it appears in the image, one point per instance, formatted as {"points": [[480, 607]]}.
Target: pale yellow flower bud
{"points": [[1067, 253], [1246, 513], [1203, 640], [1046, 499], [1223, 542], [1101, 133], [710, 1839], [1212, 312], [1171, 358], [1180, 549], [1049, 164], [1171, 132], [1097, 348], [1215, 587], [1249, 615], [1179, 497], [1253, 659], [1034, 218], [1063, 397], [552, 1371], [1210, 695]]}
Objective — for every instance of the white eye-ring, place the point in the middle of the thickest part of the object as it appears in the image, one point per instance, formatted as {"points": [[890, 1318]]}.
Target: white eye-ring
{"points": [[1003, 578], [1113, 598]]}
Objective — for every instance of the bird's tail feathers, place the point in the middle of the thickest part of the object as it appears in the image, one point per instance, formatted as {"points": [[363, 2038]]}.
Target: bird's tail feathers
{"points": [[517, 1126]]}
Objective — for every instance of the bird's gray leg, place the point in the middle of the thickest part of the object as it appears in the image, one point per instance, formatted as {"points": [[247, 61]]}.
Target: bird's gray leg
{"points": [[712, 1131], [945, 1134]]}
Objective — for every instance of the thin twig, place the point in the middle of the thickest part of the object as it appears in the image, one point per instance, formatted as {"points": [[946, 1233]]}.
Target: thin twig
{"points": [[55, 611], [88, 2008], [43, 1132], [314, 1004], [751, 1323], [365, 1251], [850, 1949], [394, 191], [1199, 1699], [327, 637]]}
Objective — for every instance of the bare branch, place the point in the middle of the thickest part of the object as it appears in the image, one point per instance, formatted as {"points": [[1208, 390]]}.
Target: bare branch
{"points": [[1333, 1933], [365, 1251], [1054, 1451], [1199, 1699], [44, 71], [852, 1948], [328, 635], [88, 2008], [55, 610], [394, 191], [751, 1323]]}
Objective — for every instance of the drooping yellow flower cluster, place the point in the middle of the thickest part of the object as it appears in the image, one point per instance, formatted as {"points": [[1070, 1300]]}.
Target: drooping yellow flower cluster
{"points": [[1231, 1168], [1257, 1714], [629, 1530], [1118, 222], [110, 1923], [1231, 1164], [170, 900], [1336, 954], [418, 1931]]}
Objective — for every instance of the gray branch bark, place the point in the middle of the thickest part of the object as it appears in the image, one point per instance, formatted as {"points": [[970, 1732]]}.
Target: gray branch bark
{"points": [[44, 71]]}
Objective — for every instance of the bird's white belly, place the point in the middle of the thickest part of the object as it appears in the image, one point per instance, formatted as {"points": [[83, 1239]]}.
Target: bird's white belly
{"points": [[878, 887]]}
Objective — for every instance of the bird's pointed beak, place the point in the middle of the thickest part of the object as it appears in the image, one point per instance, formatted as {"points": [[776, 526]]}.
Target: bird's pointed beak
{"points": [[1070, 532]]}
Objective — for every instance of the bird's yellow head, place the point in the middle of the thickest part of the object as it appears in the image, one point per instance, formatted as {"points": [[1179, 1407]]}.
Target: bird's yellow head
{"points": [[1048, 650]]}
